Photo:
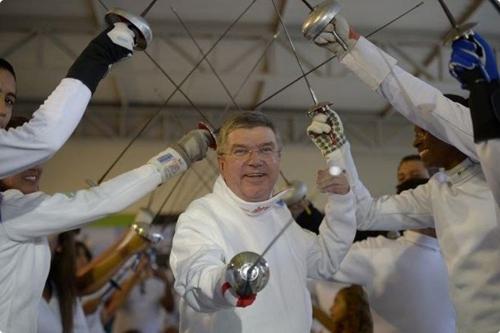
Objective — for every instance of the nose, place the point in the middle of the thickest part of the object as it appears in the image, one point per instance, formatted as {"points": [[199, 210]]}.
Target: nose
{"points": [[4, 114], [254, 157]]}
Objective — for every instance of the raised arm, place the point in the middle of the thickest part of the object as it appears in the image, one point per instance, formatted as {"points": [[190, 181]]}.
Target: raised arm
{"points": [[56, 119], [418, 101]]}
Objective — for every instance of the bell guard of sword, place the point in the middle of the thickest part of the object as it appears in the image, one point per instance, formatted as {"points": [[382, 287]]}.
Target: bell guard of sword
{"points": [[246, 274]]}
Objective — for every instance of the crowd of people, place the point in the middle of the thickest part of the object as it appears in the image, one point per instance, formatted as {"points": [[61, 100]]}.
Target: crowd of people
{"points": [[439, 274]]}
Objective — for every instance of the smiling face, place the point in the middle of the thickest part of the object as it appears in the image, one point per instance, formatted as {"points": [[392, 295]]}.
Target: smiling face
{"points": [[434, 152], [250, 162], [27, 181], [7, 96]]}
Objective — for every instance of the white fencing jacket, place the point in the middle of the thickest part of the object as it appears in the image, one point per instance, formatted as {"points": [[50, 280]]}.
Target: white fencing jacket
{"points": [[424, 106], [26, 220], [52, 124], [489, 156], [459, 204], [220, 225], [406, 282]]}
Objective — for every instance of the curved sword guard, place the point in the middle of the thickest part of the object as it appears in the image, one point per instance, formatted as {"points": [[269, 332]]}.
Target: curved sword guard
{"points": [[140, 27], [321, 107], [319, 18], [464, 30], [213, 141]]}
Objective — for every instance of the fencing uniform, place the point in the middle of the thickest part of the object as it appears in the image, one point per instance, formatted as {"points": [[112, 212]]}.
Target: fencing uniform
{"points": [[405, 280], [52, 124], [461, 207], [220, 225], [25, 222]]}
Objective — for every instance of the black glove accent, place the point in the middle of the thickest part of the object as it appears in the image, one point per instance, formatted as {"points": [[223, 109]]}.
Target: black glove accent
{"points": [[93, 63], [485, 110]]}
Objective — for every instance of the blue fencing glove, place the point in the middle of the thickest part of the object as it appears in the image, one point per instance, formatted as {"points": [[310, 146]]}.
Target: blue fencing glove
{"points": [[473, 60]]}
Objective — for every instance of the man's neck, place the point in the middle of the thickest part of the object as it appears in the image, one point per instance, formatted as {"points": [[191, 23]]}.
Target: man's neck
{"points": [[454, 160]]}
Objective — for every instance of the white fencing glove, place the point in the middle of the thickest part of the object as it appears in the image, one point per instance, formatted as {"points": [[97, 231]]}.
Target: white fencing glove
{"points": [[326, 130], [190, 148], [122, 35], [328, 40]]}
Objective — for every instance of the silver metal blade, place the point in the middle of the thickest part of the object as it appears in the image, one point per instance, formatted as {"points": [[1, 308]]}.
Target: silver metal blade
{"points": [[142, 130], [206, 59], [382, 27], [313, 95], [449, 15], [271, 243]]}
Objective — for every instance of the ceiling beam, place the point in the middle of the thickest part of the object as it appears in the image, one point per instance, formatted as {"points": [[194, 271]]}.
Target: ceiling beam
{"points": [[435, 52]]}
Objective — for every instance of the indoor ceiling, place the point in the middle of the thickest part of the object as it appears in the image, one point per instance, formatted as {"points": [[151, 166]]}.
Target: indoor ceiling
{"points": [[42, 39]]}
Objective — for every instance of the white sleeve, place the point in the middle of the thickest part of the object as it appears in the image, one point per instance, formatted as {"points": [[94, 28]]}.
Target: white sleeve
{"points": [[419, 102], [198, 262], [410, 209], [336, 234], [357, 266], [52, 124], [26, 216], [489, 157]]}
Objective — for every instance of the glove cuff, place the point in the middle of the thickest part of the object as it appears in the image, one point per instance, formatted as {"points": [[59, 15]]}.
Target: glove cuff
{"points": [[94, 61], [169, 163]]}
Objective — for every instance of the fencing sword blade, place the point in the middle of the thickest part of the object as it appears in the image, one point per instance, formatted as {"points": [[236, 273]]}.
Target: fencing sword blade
{"points": [[308, 84], [212, 68], [270, 245], [334, 56], [103, 5], [250, 72], [308, 5], [496, 4], [449, 15], [177, 87], [148, 8], [231, 25], [458, 31], [167, 197]]}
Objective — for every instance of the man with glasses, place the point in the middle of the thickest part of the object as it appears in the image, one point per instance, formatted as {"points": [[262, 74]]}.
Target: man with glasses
{"points": [[243, 214]]}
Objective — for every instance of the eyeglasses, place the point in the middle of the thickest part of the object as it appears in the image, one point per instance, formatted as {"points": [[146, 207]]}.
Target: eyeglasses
{"points": [[242, 152]]}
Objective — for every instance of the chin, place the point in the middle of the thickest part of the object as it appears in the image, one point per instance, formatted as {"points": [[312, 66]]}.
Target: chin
{"points": [[256, 196]]}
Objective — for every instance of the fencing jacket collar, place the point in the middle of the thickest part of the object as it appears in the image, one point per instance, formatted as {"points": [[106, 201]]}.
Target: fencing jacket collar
{"points": [[460, 173], [250, 208]]}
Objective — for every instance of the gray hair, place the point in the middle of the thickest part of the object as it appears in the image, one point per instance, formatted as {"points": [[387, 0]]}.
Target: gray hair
{"points": [[246, 119]]}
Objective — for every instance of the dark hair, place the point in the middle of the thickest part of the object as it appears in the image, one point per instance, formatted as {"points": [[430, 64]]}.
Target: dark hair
{"points": [[4, 64], [16, 122], [357, 316], [410, 184], [62, 277], [458, 99], [409, 158]]}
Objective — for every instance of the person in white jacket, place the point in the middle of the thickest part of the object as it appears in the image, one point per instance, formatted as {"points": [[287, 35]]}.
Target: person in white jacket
{"points": [[242, 214], [473, 64], [27, 220], [458, 204], [405, 278], [56, 119]]}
